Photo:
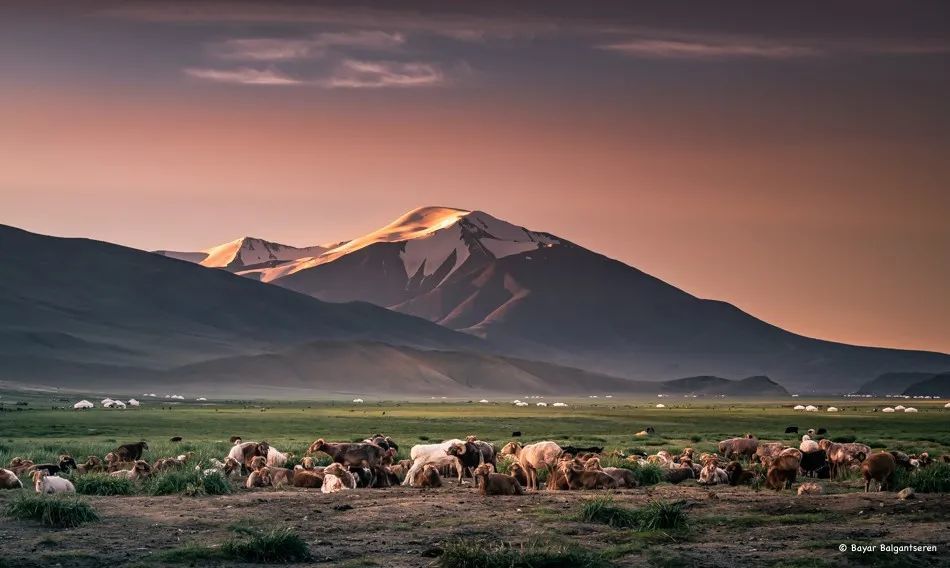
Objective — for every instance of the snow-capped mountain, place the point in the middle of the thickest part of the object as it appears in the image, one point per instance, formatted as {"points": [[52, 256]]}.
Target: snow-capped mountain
{"points": [[245, 253], [539, 296]]}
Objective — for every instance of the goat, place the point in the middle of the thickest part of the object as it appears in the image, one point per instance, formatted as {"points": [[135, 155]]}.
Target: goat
{"points": [[19, 465], [515, 470], [280, 476], [737, 475], [469, 455], [579, 478], [878, 467], [361, 454], [435, 454], [46, 483], [532, 457], [9, 480], [841, 456], [712, 474], [489, 455], [308, 477], [336, 478], [140, 470], [258, 478], [384, 442], [815, 464], [791, 429], [735, 448], [491, 483], [783, 470]]}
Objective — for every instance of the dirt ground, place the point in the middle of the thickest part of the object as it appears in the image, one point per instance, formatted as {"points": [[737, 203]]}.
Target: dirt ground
{"points": [[407, 526]]}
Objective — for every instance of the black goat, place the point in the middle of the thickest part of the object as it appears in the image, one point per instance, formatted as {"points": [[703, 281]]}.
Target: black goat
{"points": [[131, 452], [575, 450], [815, 464]]}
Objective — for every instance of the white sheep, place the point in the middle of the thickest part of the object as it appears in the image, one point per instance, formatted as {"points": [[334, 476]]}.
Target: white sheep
{"points": [[45, 483], [336, 478], [276, 458], [435, 454], [541, 404], [133, 402], [808, 445]]}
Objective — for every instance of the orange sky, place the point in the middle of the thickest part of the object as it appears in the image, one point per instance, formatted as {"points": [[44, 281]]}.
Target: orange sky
{"points": [[814, 199]]}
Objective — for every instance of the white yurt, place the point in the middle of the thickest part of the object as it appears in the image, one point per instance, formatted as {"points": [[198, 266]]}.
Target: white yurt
{"points": [[118, 404], [484, 401], [358, 400], [541, 404], [832, 409], [521, 404], [811, 408], [799, 407], [201, 398], [888, 410], [133, 402], [661, 406], [947, 405], [83, 405], [105, 401], [899, 407], [559, 404], [910, 409]]}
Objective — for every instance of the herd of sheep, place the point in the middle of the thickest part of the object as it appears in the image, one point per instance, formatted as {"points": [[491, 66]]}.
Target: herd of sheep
{"points": [[373, 463]]}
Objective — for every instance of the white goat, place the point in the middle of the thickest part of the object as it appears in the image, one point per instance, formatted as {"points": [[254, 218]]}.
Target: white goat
{"points": [[45, 483], [437, 455]]}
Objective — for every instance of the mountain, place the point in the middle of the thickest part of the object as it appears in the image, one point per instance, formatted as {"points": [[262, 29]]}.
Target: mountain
{"points": [[244, 254], [892, 383], [751, 386], [936, 385], [539, 296], [77, 310]]}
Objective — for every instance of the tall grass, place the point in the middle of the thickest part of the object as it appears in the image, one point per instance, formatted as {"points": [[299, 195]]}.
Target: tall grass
{"points": [[60, 511], [657, 515], [932, 479], [103, 484], [469, 554], [276, 546], [187, 482]]}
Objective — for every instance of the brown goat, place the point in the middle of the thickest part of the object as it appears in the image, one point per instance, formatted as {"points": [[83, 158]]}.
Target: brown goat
{"points": [[131, 452], [737, 475], [308, 477], [579, 478], [428, 476], [258, 478], [515, 470], [491, 483], [9, 480], [783, 471], [20, 465], [281, 476], [735, 448]]}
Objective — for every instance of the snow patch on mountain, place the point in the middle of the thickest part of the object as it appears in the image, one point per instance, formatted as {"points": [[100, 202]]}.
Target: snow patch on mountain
{"points": [[246, 251], [433, 250]]}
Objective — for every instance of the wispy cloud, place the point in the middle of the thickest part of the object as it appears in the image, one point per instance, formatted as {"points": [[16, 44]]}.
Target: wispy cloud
{"points": [[285, 49], [243, 76], [687, 49], [354, 74]]}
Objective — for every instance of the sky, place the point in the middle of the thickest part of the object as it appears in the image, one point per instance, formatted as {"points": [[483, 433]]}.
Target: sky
{"points": [[790, 159]]}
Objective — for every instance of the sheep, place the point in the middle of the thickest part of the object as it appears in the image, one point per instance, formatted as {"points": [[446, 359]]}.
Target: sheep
{"points": [[276, 458], [46, 483], [280, 476], [679, 474], [131, 452], [359, 454], [435, 454], [579, 478], [364, 476], [557, 481], [534, 456], [491, 483], [712, 474], [878, 467], [809, 489], [140, 470], [336, 478], [768, 450], [623, 476], [808, 445], [469, 455], [384, 442], [815, 464], [20, 465], [9, 480], [113, 463], [735, 448], [783, 470], [165, 464], [257, 462], [840, 456], [306, 463], [515, 470], [737, 475], [258, 478], [488, 450], [662, 458], [65, 464], [579, 450], [244, 452], [308, 477]]}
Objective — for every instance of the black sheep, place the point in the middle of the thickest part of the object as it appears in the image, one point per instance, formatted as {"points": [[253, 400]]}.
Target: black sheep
{"points": [[814, 462], [66, 463], [575, 450], [791, 429]]}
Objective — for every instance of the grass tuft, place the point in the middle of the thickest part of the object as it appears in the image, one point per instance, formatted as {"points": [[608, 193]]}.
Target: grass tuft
{"points": [[103, 484], [468, 554], [656, 515], [276, 546], [186, 482], [60, 511]]}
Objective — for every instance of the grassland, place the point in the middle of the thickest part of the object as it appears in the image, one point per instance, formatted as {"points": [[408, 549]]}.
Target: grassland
{"points": [[405, 526]]}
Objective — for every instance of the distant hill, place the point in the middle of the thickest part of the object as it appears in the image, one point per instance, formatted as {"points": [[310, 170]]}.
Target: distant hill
{"points": [[892, 383], [706, 385], [936, 385]]}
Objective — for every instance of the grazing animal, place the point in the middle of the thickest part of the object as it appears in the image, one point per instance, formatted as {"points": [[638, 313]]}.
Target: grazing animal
{"points": [[281, 476], [842, 456], [19, 465], [516, 434], [360, 454], [364, 476], [576, 450], [579, 478], [257, 462], [515, 470], [165, 464], [276, 458], [712, 474], [469, 454], [384, 442], [428, 476], [679, 474], [336, 478], [768, 450], [140, 470], [245, 452], [783, 470], [737, 475], [809, 489], [791, 429], [9, 480], [131, 452], [258, 478], [623, 476], [808, 445], [45, 483], [491, 483], [305, 463], [815, 464], [532, 457], [435, 454], [175, 439], [308, 477], [235, 440], [735, 448], [489, 454], [878, 467]]}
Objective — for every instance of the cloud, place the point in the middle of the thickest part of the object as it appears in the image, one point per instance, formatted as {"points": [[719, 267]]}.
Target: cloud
{"points": [[285, 49], [685, 49], [354, 74], [243, 76]]}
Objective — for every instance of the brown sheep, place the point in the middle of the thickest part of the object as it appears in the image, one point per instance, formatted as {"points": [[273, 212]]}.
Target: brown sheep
{"points": [[490, 483], [257, 462], [428, 477], [9, 480], [842, 456], [768, 450], [258, 478], [308, 478], [515, 470], [140, 470], [532, 457], [131, 452], [93, 465], [737, 475], [361, 454], [783, 471], [165, 464], [623, 476], [579, 478], [20, 465], [679, 474], [735, 448], [281, 476], [878, 467]]}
